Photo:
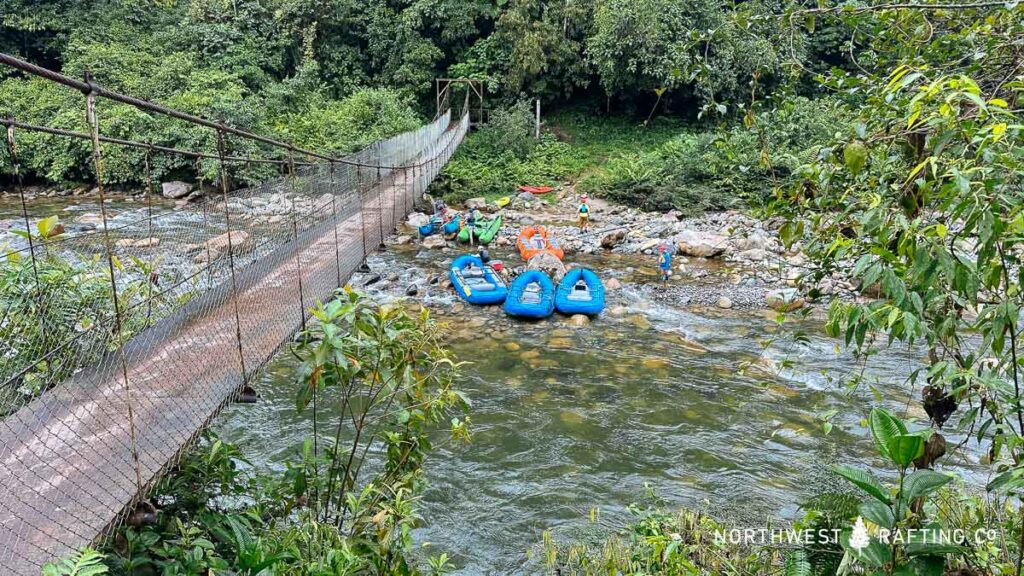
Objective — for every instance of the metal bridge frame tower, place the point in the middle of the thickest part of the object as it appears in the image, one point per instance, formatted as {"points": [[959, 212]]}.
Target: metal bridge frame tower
{"points": [[474, 97]]}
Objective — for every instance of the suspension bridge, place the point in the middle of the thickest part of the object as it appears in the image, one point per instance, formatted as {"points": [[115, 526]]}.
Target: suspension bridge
{"points": [[89, 421]]}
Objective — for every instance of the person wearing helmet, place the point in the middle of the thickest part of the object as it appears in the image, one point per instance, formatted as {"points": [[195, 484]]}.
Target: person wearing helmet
{"points": [[583, 214], [664, 262]]}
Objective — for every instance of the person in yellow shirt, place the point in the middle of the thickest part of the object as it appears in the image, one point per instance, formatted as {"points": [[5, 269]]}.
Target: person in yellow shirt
{"points": [[583, 214]]}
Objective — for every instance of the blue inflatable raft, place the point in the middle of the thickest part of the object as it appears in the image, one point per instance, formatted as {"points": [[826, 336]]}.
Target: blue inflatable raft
{"points": [[453, 226], [580, 292], [476, 282], [430, 227], [531, 295]]}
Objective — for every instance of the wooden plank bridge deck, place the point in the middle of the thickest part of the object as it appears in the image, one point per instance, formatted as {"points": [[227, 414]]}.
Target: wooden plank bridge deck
{"points": [[66, 460]]}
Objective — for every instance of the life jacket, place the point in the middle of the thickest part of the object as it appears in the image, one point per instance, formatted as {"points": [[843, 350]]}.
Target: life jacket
{"points": [[584, 209]]}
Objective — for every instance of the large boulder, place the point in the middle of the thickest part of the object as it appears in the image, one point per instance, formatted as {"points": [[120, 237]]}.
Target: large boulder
{"points": [[417, 219], [475, 203], [176, 189], [613, 238], [785, 300], [549, 264], [700, 244], [434, 241]]}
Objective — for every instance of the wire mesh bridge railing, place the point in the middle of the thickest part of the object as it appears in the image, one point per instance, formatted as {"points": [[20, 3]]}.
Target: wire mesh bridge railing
{"points": [[174, 314]]}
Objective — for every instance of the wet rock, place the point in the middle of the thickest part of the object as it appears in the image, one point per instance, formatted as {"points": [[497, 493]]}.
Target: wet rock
{"points": [[617, 311], [412, 290], [549, 264], [512, 346], [373, 279], [613, 238], [434, 241], [700, 244], [785, 300], [175, 190], [502, 241], [579, 320], [724, 302], [612, 284], [392, 276], [403, 240]]}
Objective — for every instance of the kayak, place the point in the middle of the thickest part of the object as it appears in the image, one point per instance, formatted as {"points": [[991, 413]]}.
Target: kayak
{"points": [[535, 239], [536, 189], [580, 292], [483, 232], [502, 202], [531, 295], [452, 226], [476, 282]]}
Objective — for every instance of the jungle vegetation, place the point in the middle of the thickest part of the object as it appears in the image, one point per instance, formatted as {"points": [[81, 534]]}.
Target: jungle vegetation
{"points": [[886, 140]]}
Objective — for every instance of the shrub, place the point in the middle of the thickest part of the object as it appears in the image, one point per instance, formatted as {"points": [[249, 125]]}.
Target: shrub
{"points": [[719, 169]]}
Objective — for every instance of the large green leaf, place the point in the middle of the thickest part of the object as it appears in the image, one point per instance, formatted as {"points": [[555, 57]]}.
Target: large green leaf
{"points": [[884, 427], [878, 513], [905, 448], [923, 483], [865, 481]]}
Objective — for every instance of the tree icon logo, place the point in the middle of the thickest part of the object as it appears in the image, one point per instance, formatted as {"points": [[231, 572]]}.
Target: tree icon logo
{"points": [[859, 538]]}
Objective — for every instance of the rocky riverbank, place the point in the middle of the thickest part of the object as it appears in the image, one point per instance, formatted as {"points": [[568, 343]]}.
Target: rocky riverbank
{"points": [[725, 259]]}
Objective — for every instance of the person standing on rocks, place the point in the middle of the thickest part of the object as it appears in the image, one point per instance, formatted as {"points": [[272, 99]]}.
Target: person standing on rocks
{"points": [[583, 214], [664, 262]]}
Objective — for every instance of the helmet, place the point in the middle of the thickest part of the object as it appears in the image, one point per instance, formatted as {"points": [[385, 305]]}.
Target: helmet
{"points": [[662, 248]]}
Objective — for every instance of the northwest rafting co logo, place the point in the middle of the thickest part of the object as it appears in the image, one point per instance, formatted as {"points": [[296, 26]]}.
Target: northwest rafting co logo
{"points": [[859, 538]]}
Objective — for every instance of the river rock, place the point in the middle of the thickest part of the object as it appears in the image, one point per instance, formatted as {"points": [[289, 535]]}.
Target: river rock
{"points": [[784, 300], [139, 243], [579, 320], [417, 219], [613, 238], [613, 284], [549, 264], [240, 241], [412, 290], [475, 203], [403, 240], [700, 244], [502, 241], [753, 255], [724, 302], [434, 241], [755, 241], [90, 219], [175, 190]]}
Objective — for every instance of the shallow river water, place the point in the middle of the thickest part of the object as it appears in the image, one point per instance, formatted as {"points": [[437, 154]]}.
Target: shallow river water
{"points": [[568, 419]]}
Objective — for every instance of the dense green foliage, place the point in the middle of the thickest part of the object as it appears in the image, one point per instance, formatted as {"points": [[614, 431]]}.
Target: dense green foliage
{"points": [[344, 507], [58, 312]]}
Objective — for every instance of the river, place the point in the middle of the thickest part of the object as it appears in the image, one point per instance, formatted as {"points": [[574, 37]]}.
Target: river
{"points": [[651, 401], [568, 419]]}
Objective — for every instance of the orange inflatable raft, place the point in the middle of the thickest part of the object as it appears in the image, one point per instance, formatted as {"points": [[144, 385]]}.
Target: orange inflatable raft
{"points": [[534, 239]]}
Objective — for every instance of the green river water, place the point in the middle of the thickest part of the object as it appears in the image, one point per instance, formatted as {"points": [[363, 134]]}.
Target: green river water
{"points": [[567, 419]]}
